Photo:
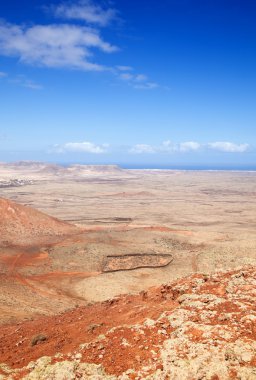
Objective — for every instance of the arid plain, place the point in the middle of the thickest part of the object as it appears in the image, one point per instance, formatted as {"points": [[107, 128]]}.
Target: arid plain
{"points": [[126, 230]]}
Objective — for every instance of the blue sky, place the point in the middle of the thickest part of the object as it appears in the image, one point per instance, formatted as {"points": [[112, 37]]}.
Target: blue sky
{"points": [[148, 82]]}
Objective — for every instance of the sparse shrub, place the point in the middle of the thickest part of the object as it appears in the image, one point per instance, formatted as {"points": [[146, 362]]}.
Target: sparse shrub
{"points": [[38, 338]]}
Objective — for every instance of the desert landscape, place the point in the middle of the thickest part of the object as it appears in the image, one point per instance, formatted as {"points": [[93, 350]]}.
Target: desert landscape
{"points": [[127, 190], [89, 251]]}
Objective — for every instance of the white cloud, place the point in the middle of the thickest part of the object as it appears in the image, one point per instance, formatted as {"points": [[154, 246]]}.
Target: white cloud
{"points": [[137, 81], [189, 146], [142, 148], [87, 11], [141, 78], [22, 81], [146, 86], [32, 85], [124, 68], [59, 45], [165, 147], [226, 146], [69, 45], [168, 147], [126, 76], [86, 147], [167, 143]]}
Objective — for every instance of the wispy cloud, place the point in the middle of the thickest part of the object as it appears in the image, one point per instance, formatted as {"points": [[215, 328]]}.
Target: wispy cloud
{"points": [[70, 45], [87, 11], [140, 78], [84, 147], [32, 85], [146, 86], [166, 147], [138, 81], [188, 146], [226, 146], [59, 45], [124, 68], [126, 76], [22, 81], [142, 148]]}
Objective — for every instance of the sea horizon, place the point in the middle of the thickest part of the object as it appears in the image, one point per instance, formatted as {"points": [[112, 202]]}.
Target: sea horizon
{"points": [[181, 167]]}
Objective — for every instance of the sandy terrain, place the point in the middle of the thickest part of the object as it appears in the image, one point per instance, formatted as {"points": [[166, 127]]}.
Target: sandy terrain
{"points": [[127, 221], [73, 239]]}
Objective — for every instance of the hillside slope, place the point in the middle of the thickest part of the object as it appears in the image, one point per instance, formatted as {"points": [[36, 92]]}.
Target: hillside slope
{"points": [[24, 225], [199, 327]]}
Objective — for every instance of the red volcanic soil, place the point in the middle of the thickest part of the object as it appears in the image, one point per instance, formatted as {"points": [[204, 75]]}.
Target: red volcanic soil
{"points": [[192, 327], [24, 225]]}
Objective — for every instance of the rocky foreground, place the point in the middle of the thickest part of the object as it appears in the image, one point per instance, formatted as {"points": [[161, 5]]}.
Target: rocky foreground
{"points": [[200, 327]]}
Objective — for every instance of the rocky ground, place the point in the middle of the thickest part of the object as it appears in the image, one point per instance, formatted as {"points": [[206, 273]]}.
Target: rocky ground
{"points": [[85, 300], [198, 327]]}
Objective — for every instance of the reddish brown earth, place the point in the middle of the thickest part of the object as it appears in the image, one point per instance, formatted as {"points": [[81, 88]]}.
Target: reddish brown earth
{"points": [[25, 236], [199, 327], [22, 225], [42, 259]]}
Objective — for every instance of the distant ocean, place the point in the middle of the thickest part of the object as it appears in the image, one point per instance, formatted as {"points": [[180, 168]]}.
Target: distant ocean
{"points": [[192, 167]]}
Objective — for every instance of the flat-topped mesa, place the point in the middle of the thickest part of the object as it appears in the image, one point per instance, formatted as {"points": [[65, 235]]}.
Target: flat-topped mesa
{"points": [[29, 169], [40, 164], [43, 170], [24, 225]]}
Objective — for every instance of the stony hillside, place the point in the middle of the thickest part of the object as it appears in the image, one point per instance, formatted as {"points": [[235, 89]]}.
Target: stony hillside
{"points": [[24, 225], [200, 327]]}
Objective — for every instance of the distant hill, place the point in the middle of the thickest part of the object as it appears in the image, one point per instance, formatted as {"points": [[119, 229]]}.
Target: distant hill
{"points": [[44, 170]]}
